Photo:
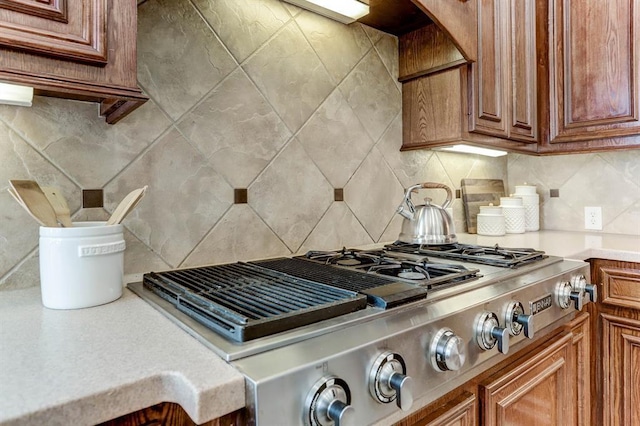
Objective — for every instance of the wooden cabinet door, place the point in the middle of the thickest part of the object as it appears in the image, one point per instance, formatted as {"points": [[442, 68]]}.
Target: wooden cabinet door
{"points": [[460, 411], [171, 414], [621, 370], [581, 367], [76, 49], [74, 30], [537, 392], [522, 65], [461, 414], [491, 73], [619, 316], [594, 61], [504, 78]]}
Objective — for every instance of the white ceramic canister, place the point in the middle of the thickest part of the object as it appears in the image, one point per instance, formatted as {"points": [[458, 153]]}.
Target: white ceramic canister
{"points": [[531, 203], [81, 266], [491, 221], [513, 212]]}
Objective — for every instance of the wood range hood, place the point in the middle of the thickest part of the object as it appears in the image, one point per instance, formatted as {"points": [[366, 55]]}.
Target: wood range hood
{"points": [[456, 18]]}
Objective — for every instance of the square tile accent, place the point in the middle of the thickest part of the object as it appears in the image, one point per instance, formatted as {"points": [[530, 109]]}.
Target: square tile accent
{"points": [[554, 193], [240, 196], [92, 198], [338, 194]]}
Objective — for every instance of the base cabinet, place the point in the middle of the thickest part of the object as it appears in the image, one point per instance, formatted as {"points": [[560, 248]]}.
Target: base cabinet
{"points": [[621, 362], [549, 385], [170, 414], [616, 332]]}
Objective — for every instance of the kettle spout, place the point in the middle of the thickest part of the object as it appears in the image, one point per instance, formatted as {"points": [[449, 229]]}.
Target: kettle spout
{"points": [[404, 213]]}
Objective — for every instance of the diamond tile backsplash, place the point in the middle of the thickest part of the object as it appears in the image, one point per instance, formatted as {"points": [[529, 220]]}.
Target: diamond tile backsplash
{"points": [[610, 180], [262, 95]]}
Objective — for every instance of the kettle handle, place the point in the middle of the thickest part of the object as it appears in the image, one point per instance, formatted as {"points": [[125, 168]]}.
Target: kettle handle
{"points": [[433, 185]]}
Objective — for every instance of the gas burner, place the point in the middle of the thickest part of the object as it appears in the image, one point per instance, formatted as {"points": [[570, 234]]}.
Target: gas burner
{"points": [[495, 256], [411, 275], [348, 257], [424, 273]]}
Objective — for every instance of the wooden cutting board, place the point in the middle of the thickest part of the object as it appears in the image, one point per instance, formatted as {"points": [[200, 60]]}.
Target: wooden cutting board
{"points": [[476, 193]]}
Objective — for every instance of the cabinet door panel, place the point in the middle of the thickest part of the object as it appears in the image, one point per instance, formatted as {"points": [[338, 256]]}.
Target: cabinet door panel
{"points": [[461, 411], [490, 71], [523, 70], [581, 368], [595, 74], [462, 414], [621, 287], [537, 392], [621, 358], [432, 108], [56, 28]]}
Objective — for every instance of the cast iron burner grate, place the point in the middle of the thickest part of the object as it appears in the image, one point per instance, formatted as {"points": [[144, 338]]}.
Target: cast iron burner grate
{"points": [[379, 262], [495, 256], [353, 258], [244, 301], [425, 273]]}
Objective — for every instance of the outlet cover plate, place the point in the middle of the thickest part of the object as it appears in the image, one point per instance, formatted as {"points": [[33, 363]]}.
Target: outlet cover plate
{"points": [[593, 218]]}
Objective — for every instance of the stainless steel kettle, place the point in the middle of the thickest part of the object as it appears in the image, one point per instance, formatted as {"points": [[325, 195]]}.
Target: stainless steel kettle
{"points": [[428, 223]]}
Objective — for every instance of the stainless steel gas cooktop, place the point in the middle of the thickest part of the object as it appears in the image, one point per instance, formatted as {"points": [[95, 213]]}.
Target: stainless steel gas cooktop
{"points": [[328, 326]]}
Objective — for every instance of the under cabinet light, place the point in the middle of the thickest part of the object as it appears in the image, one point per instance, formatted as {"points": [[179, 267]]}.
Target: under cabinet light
{"points": [[345, 11], [469, 149], [11, 94]]}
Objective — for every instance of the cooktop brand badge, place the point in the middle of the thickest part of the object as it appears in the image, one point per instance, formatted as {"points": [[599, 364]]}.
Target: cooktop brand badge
{"points": [[541, 304]]}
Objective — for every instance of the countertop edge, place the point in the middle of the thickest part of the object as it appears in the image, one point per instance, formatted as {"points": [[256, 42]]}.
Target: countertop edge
{"points": [[165, 387], [144, 373]]}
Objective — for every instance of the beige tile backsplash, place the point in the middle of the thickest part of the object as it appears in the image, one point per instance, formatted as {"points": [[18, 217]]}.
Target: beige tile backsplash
{"points": [[262, 95], [610, 180]]}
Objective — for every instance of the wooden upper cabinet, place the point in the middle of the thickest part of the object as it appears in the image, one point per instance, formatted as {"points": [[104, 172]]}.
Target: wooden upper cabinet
{"points": [[77, 49], [436, 92], [549, 77], [504, 77], [53, 28], [594, 64]]}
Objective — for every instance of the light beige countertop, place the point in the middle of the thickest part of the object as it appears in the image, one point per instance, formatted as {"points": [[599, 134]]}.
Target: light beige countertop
{"points": [[90, 365], [570, 245], [86, 366]]}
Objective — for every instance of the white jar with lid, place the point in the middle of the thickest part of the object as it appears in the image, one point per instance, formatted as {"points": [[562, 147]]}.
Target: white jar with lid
{"points": [[513, 212], [491, 221], [531, 203]]}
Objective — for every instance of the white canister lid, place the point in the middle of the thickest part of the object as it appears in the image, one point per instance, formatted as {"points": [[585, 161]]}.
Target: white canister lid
{"points": [[510, 201], [491, 210], [525, 189]]}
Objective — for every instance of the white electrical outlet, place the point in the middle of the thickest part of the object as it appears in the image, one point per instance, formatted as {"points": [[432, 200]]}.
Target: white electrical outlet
{"points": [[593, 218]]}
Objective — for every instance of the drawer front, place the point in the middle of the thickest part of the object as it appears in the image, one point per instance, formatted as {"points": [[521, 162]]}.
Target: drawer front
{"points": [[621, 287]]}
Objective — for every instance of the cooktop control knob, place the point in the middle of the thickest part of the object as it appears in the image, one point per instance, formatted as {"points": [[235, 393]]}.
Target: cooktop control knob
{"points": [[515, 320], [579, 283], [388, 381], [565, 294], [328, 403], [447, 351], [489, 332]]}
